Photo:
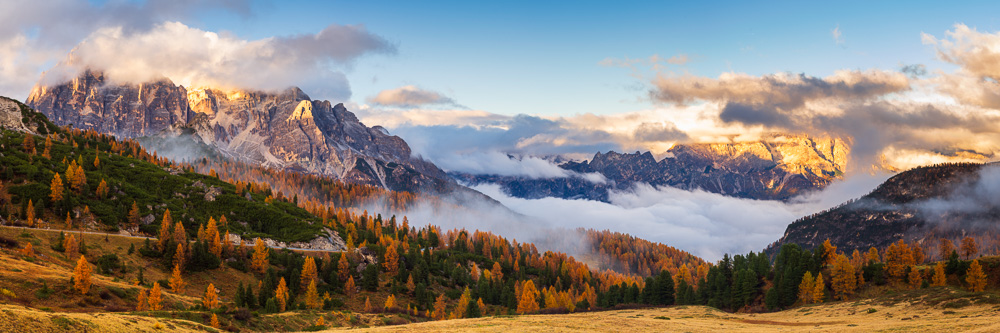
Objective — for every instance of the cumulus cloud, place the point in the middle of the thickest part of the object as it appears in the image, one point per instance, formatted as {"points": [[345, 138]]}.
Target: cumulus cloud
{"points": [[36, 34], [194, 57], [409, 96], [705, 224]]}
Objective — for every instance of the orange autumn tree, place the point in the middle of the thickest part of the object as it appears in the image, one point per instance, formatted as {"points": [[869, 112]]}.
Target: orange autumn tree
{"points": [[142, 302], [258, 262], [211, 299], [81, 275], [155, 297], [391, 260], [806, 288], [312, 296], [945, 248], [969, 247], [528, 302], [309, 274], [939, 279], [818, 293], [165, 228], [975, 277], [440, 307], [133, 215], [829, 252], [30, 213], [343, 267], [844, 278], [390, 302], [176, 281], [349, 287], [281, 294], [56, 188]]}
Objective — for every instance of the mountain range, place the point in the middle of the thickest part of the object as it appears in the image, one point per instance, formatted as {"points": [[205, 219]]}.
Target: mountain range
{"points": [[284, 130], [775, 168]]}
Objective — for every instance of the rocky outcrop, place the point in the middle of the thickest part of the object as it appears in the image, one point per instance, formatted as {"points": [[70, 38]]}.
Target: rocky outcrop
{"points": [[281, 129], [777, 168], [331, 241], [11, 118]]}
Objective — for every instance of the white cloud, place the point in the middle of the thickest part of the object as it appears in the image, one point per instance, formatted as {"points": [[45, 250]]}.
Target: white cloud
{"points": [[838, 37], [194, 57], [409, 96], [705, 224]]}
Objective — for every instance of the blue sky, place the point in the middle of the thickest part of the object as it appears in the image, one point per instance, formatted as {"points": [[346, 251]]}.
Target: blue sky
{"points": [[526, 57]]}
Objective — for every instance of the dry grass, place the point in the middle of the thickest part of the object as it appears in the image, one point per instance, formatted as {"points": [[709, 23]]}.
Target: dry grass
{"points": [[15, 318], [833, 317]]}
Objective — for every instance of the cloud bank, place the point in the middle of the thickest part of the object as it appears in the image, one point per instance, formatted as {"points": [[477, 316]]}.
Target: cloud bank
{"points": [[409, 96]]}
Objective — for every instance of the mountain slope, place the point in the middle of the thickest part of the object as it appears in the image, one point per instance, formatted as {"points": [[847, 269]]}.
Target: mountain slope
{"points": [[923, 204], [778, 168], [284, 130]]}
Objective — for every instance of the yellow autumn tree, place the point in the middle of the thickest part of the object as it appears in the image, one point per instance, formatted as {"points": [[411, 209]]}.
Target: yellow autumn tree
{"points": [[343, 267], [180, 235], [214, 322], [30, 213], [872, 255], [210, 300], [939, 279], [79, 180], [391, 262], [975, 277], [155, 297], [102, 189], [390, 302], [142, 303], [349, 287], [528, 302], [308, 272], [70, 246], [259, 259], [829, 252], [81, 275], [969, 248], [818, 293], [179, 256], [482, 306], [165, 227], [133, 215], [312, 296], [463, 304], [440, 307], [281, 294], [806, 288], [56, 188], [914, 278], [843, 278], [177, 281]]}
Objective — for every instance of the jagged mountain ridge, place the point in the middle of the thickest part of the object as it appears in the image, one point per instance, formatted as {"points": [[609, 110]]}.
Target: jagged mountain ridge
{"points": [[897, 209], [777, 168], [283, 130]]}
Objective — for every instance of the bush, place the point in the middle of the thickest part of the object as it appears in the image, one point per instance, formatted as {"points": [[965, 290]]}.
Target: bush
{"points": [[108, 263]]}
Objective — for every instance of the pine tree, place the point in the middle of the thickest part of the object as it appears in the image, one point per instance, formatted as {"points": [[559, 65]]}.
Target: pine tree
{"points": [[56, 188], [210, 300], [81, 276], [528, 303], [975, 276], [312, 296], [259, 261], [177, 281], [308, 272], [939, 280], [155, 297], [281, 294]]}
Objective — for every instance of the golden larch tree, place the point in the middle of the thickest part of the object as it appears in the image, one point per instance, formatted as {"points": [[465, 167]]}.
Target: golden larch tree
{"points": [[142, 303], [281, 294], [872, 255], [975, 277], [806, 288], [368, 305], [343, 267], [177, 281], [843, 278], [69, 221], [180, 235], [939, 279], [30, 213], [463, 304], [818, 293], [829, 252], [312, 296], [482, 306], [409, 283], [47, 153], [945, 248], [528, 302], [259, 259], [155, 297], [308, 272], [81, 275], [915, 278], [102, 189], [969, 248], [165, 227], [390, 302], [179, 256], [56, 188], [440, 307], [70, 246], [214, 322], [79, 180], [211, 299], [391, 262], [133, 215]]}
